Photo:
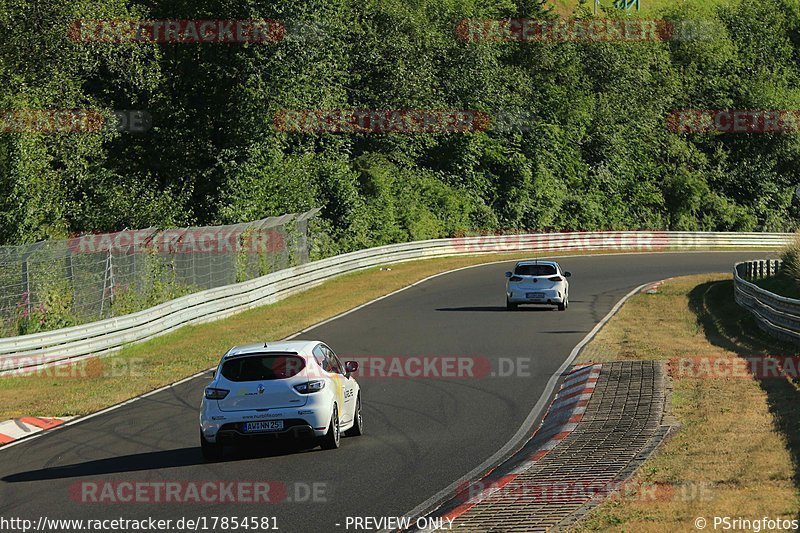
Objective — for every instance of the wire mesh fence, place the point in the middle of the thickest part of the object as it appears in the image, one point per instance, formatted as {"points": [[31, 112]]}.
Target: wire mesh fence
{"points": [[59, 283]]}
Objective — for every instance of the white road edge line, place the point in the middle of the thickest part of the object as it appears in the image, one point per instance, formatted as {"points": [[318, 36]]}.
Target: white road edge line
{"points": [[524, 431], [80, 419]]}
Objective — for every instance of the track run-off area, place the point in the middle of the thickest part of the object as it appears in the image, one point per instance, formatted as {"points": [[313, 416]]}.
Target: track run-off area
{"points": [[422, 434]]}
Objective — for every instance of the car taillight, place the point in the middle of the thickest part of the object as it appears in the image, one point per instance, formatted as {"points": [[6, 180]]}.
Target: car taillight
{"points": [[216, 394], [556, 278], [310, 386], [515, 278]]}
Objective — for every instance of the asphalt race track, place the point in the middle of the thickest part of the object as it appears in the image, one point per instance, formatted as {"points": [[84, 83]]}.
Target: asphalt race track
{"points": [[421, 434]]}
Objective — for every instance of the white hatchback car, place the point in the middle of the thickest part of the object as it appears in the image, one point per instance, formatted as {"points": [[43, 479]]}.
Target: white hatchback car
{"points": [[292, 388], [537, 282]]}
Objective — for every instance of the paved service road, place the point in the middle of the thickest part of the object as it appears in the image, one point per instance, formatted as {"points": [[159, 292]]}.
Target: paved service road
{"points": [[421, 434]]}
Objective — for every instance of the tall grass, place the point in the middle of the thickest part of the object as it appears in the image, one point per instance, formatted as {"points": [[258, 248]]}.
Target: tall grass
{"points": [[791, 260]]}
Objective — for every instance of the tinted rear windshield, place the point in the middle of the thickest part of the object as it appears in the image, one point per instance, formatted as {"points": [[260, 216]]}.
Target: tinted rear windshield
{"points": [[261, 367], [535, 270]]}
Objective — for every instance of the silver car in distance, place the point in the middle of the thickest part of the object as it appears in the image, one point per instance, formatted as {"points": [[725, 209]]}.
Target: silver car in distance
{"points": [[537, 282]]}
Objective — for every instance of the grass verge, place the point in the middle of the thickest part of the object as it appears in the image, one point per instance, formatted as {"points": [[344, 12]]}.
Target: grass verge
{"points": [[736, 453]]}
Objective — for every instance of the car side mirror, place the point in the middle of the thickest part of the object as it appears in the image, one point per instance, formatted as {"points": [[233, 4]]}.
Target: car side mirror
{"points": [[567, 274], [509, 274], [351, 366], [213, 374]]}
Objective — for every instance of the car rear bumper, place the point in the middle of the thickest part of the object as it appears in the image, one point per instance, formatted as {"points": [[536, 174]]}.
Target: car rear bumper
{"points": [[297, 428], [229, 426], [548, 297]]}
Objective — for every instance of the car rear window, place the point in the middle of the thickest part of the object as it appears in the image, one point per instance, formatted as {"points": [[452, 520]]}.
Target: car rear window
{"points": [[262, 367], [535, 270]]}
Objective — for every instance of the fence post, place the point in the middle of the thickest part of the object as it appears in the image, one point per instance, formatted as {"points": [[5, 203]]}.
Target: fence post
{"points": [[108, 283], [26, 281], [761, 270], [110, 277], [69, 272], [27, 284]]}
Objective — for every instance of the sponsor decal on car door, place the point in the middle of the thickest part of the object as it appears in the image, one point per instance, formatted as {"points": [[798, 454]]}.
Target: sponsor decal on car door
{"points": [[339, 387], [344, 389]]}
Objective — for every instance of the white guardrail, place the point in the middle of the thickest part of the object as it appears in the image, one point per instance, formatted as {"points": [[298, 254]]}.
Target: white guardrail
{"points": [[777, 315], [98, 338]]}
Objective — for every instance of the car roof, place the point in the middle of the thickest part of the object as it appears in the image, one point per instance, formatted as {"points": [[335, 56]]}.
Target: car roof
{"points": [[536, 262], [300, 347]]}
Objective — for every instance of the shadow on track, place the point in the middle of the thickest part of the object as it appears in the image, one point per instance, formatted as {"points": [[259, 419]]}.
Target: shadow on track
{"points": [[495, 309], [156, 460], [728, 326]]}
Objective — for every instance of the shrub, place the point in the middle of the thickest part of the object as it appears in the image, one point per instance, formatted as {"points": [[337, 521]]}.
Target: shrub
{"points": [[791, 259]]}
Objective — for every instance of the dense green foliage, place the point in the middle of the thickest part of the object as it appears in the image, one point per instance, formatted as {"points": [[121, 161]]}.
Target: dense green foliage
{"points": [[597, 157]]}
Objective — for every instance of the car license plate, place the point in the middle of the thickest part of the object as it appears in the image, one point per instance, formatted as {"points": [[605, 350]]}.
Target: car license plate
{"points": [[267, 425], [534, 295]]}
